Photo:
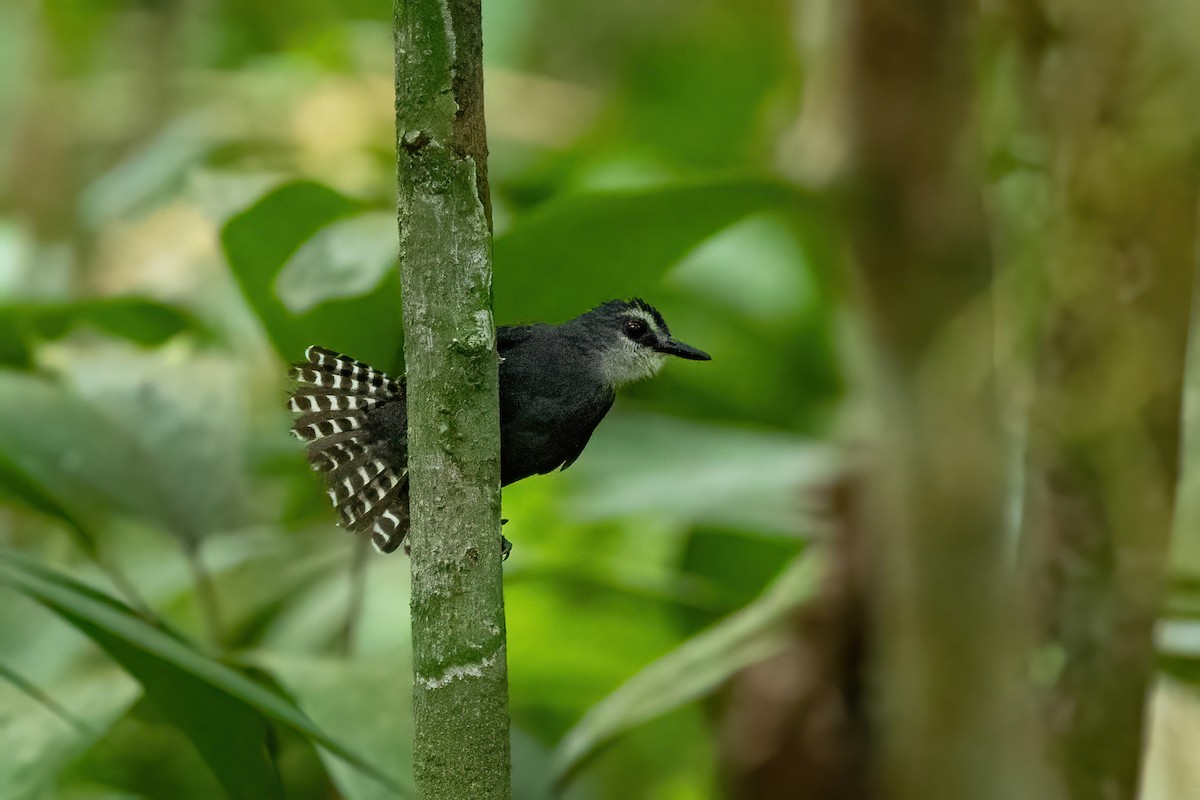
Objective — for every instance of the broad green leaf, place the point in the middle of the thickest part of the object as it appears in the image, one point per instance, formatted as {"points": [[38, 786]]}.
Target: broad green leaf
{"points": [[347, 258], [146, 322], [98, 463], [147, 453], [230, 735], [580, 250], [37, 742], [184, 412], [755, 267], [221, 710], [17, 486], [695, 668], [697, 473], [64, 445], [262, 240], [366, 702]]}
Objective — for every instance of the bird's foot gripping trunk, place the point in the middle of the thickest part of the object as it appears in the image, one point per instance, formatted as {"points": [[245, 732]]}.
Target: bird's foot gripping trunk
{"points": [[353, 418]]}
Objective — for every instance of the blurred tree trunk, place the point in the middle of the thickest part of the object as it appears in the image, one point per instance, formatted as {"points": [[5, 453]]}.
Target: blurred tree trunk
{"points": [[1116, 104], [797, 724], [458, 628], [953, 722]]}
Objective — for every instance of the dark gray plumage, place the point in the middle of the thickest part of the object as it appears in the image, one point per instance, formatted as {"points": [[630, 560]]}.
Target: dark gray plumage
{"points": [[556, 383]]}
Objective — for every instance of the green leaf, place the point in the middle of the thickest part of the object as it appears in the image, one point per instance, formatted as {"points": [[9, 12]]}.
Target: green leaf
{"points": [[62, 444], [16, 486], [697, 473], [221, 710], [41, 736], [43, 698], [695, 668], [366, 701], [347, 258], [272, 233], [156, 441], [229, 734], [580, 250], [186, 420], [146, 322]]}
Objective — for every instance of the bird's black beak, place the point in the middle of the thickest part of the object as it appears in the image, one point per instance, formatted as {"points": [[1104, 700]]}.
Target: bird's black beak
{"points": [[674, 348]]}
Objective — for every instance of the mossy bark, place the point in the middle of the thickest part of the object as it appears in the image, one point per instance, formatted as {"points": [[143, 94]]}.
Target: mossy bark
{"points": [[1112, 87], [459, 656], [953, 721]]}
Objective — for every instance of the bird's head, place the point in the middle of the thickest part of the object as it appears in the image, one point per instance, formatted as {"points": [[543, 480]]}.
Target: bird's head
{"points": [[633, 340]]}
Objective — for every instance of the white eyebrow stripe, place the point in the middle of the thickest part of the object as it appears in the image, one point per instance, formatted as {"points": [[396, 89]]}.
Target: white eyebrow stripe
{"points": [[647, 317]]}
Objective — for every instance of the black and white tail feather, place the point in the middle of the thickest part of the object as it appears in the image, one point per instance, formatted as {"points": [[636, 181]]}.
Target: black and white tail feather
{"points": [[353, 418]]}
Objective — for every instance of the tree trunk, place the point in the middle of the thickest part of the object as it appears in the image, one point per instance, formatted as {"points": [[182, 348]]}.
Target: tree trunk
{"points": [[1114, 87], [460, 682], [954, 720]]}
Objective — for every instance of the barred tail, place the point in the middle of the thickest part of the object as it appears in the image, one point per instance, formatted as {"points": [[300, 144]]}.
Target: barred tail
{"points": [[354, 419]]}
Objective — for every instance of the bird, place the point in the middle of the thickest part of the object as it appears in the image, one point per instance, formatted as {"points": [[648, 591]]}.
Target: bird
{"points": [[557, 382]]}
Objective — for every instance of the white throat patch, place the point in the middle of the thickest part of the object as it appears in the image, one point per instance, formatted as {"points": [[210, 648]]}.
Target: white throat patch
{"points": [[628, 361]]}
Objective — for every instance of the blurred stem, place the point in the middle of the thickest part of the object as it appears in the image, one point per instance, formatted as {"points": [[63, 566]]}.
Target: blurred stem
{"points": [[37, 693], [206, 593], [358, 591], [460, 682], [955, 721], [1114, 93]]}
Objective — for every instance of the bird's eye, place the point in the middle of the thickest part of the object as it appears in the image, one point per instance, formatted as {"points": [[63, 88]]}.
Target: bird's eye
{"points": [[635, 328]]}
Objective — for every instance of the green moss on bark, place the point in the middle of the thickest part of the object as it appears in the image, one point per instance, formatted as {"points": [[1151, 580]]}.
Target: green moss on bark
{"points": [[461, 679]]}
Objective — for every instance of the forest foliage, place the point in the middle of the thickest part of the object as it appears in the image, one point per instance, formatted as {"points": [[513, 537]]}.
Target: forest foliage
{"points": [[195, 192]]}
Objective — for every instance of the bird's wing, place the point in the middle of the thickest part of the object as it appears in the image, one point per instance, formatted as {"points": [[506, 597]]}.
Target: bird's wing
{"points": [[509, 336], [589, 421]]}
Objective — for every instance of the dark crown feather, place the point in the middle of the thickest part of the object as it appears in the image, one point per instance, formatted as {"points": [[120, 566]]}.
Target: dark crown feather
{"points": [[618, 307]]}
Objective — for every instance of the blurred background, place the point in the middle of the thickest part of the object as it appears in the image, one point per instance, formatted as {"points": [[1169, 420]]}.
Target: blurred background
{"points": [[195, 190]]}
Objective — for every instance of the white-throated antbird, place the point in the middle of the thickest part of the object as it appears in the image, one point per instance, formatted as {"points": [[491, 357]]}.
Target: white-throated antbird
{"points": [[556, 383]]}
